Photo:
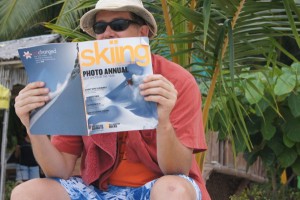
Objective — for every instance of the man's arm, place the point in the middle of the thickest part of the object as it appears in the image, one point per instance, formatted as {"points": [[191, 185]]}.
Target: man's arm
{"points": [[173, 157], [53, 162]]}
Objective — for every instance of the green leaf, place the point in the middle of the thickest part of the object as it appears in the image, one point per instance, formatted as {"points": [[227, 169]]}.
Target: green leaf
{"points": [[261, 106], [253, 124], [268, 130], [253, 91], [287, 158], [276, 145], [296, 67], [296, 167], [289, 143], [294, 102], [285, 84], [76, 35], [268, 156], [291, 128], [206, 17]]}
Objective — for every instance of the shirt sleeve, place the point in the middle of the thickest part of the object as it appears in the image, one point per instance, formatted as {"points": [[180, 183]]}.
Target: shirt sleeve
{"points": [[186, 116], [68, 144]]}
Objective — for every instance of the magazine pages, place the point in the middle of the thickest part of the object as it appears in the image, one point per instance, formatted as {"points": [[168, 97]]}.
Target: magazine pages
{"points": [[94, 86]]}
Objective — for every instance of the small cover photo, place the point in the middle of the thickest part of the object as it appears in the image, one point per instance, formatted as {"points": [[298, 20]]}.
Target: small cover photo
{"points": [[94, 86]]}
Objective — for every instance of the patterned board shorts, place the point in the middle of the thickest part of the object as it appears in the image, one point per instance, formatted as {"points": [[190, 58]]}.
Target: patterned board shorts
{"points": [[78, 190]]}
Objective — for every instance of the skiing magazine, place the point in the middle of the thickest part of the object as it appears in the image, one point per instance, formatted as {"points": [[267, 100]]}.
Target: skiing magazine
{"points": [[94, 86]]}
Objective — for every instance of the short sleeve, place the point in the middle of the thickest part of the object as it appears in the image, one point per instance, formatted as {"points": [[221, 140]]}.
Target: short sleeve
{"points": [[186, 116], [68, 144]]}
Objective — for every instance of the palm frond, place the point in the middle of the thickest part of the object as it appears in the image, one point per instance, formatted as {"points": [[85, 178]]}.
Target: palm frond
{"points": [[17, 17], [68, 32]]}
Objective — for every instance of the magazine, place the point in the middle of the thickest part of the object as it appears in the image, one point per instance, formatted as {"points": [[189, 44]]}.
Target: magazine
{"points": [[94, 86]]}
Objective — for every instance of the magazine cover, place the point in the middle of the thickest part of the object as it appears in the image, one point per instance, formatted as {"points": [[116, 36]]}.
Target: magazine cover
{"points": [[93, 86]]}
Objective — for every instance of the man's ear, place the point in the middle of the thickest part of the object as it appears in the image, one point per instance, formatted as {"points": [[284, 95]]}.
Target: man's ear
{"points": [[144, 30]]}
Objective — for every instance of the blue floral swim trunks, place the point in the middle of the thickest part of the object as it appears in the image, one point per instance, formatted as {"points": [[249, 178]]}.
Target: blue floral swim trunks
{"points": [[78, 190]]}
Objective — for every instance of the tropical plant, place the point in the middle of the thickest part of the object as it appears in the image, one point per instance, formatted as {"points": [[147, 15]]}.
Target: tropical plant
{"points": [[274, 131], [25, 18]]}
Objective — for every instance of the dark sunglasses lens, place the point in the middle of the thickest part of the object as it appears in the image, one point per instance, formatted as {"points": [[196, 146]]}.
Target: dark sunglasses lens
{"points": [[119, 25], [116, 25], [100, 27]]}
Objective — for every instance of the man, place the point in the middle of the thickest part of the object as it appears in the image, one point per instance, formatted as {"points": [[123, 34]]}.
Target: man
{"points": [[156, 164]]}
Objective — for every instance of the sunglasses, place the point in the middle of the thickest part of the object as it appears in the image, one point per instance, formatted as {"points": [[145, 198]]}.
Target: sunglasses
{"points": [[116, 25]]}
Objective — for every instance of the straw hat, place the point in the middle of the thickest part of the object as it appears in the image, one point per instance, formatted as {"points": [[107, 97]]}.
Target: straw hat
{"points": [[136, 6]]}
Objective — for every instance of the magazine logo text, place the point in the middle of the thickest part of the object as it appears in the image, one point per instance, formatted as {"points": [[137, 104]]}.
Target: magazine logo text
{"points": [[48, 52], [115, 54]]}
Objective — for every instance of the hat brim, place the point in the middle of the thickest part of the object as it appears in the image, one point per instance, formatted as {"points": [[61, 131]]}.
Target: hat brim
{"points": [[88, 19]]}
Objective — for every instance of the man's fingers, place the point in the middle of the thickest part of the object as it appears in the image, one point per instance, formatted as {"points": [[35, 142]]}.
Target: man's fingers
{"points": [[31, 86]]}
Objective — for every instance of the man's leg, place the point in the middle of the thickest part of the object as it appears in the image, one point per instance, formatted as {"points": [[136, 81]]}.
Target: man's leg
{"points": [[174, 187], [37, 189]]}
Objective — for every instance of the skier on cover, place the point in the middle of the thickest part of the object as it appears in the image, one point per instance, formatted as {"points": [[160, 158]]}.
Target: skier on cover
{"points": [[148, 164]]}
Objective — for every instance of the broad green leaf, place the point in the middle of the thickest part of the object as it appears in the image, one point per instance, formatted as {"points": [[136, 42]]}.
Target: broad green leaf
{"points": [[289, 143], [294, 104], [296, 67], [285, 84], [253, 124], [296, 167], [292, 129], [268, 130], [287, 157], [253, 91], [261, 107], [268, 156], [276, 145]]}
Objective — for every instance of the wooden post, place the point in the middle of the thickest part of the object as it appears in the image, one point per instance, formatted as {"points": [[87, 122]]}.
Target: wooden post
{"points": [[3, 154]]}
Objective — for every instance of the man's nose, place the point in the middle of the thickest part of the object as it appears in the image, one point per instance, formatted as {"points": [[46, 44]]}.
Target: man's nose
{"points": [[108, 33]]}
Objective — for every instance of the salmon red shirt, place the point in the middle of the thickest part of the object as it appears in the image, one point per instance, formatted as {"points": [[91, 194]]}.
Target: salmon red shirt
{"points": [[99, 155]]}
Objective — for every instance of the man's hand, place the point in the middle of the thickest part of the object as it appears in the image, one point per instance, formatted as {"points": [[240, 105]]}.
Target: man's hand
{"points": [[34, 95], [158, 89]]}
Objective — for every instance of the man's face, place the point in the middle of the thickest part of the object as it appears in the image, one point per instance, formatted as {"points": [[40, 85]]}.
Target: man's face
{"points": [[133, 30]]}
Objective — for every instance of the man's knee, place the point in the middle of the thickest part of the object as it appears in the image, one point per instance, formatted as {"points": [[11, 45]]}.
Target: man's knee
{"points": [[39, 189], [173, 187], [22, 191]]}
